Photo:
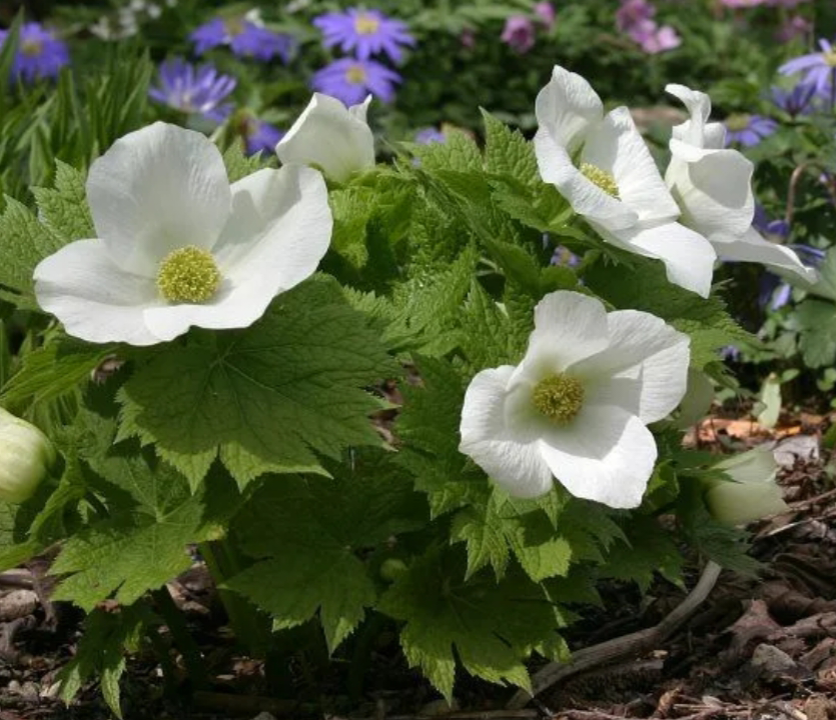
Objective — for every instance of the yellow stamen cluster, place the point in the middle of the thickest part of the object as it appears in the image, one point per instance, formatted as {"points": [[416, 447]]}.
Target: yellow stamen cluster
{"points": [[188, 275], [603, 179], [31, 48], [737, 122], [366, 24], [559, 397], [355, 74]]}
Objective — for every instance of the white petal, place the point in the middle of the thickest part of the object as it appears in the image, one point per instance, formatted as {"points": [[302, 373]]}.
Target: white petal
{"points": [[567, 107], [688, 256], [698, 105], [94, 299], [614, 145], [751, 247], [605, 454], [568, 327], [279, 230], [155, 190], [515, 465], [360, 111], [712, 187], [646, 349], [585, 197], [331, 136]]}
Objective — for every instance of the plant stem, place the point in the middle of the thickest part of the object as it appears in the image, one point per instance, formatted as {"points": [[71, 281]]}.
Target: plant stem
{"points": [[183, 639]]}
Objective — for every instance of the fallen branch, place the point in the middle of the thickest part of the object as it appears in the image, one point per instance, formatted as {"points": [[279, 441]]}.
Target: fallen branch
{"points": [[622, 647]]}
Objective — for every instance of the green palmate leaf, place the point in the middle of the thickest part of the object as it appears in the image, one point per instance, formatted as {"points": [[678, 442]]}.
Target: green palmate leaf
{"points": [[497, 525], [63, 209], [487, 333], [268, 398], [490, 627], [646, 288], [458, 152], [310, 533], [429, 426], [817, 322], [428, 309], [25, 243], [143, 544], [649, 549], [238, 165], [101, 652], [507, 152], [59, 367]]}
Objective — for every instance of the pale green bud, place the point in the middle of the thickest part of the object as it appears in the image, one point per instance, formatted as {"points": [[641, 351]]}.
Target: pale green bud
{"points": [[754, 493], [26, 455]]}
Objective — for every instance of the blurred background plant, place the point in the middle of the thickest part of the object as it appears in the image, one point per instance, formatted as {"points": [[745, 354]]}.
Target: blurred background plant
{"points": [[75, 76]]}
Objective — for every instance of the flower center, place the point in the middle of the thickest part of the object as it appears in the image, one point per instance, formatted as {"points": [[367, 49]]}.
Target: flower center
{"points": [[31, 48], [559, 397], [188, 275], [830, 58], [366, 24], [737, 122], [234, 26], [603, 179], [356, 75]]}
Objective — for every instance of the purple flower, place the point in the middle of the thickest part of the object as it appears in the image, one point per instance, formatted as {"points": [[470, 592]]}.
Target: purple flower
{"points": [[796, 101], [730, 352], [748, 130], [430, 135], [793, 27], [39, 54], [260, 136], [518, 33], [762, 222], [545, 12], [818, 68], [632, 13], [563, 256], [366, 32], [660, 40], [245, 39], [351, 80], [191, 89]]}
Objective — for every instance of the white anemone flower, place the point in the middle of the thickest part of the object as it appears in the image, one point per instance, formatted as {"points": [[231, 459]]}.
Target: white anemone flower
{"points": [[328, 134], [713, 186], [753, 492], [178, 246], [602, 166], [577, 406]]}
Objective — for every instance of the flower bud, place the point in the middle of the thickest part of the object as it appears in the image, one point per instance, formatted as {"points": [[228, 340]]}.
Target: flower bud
{"points": [[752, 495], [26, 455]]}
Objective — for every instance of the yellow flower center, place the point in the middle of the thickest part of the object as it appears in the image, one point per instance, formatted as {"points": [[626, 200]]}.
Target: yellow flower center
{"points": [[603, 179], [559, 397], [356, 75], [366, 24], [188, 275], [737, 122], [234, 26], [31, 48]]}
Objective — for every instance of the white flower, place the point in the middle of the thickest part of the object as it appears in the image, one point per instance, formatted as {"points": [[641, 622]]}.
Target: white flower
{"points": [[177, 246], [576, 406], [713, 186], [331, 136], [753, 494], [616, 185], [26, 455]]}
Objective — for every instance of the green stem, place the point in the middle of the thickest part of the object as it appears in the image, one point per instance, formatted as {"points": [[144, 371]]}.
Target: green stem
{"points": [[251, 627], [183, 639]]}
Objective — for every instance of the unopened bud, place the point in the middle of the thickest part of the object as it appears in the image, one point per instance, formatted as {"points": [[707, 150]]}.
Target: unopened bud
{"points": [[26, 455], [753, 495]]}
